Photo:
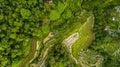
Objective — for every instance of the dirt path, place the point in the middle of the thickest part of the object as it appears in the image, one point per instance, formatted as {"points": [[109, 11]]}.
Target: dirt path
{"points": [[48, 37], [71, 39], [46, 51], [69, 42], [41, 63], [34, 46]]}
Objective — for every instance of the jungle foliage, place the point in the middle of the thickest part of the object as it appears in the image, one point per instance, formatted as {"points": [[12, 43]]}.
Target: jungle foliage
{"points": [[22, 20]]}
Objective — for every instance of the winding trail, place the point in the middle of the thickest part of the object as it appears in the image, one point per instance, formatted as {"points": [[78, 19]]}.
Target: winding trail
{"points": [[88, 25], [41, 63], [69, 42], [34, 46]]}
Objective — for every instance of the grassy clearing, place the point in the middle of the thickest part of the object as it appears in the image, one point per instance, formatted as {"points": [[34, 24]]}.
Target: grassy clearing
{"points": [[85, 38]]}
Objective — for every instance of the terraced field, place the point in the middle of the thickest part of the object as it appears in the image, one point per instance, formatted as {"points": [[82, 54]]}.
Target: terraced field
{"points": [[82, 40], [59, 33], [86, 36], [32, 53]]}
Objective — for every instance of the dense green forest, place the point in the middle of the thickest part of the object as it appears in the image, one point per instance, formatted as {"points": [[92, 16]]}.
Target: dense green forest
{"points": [[33, 33]]}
